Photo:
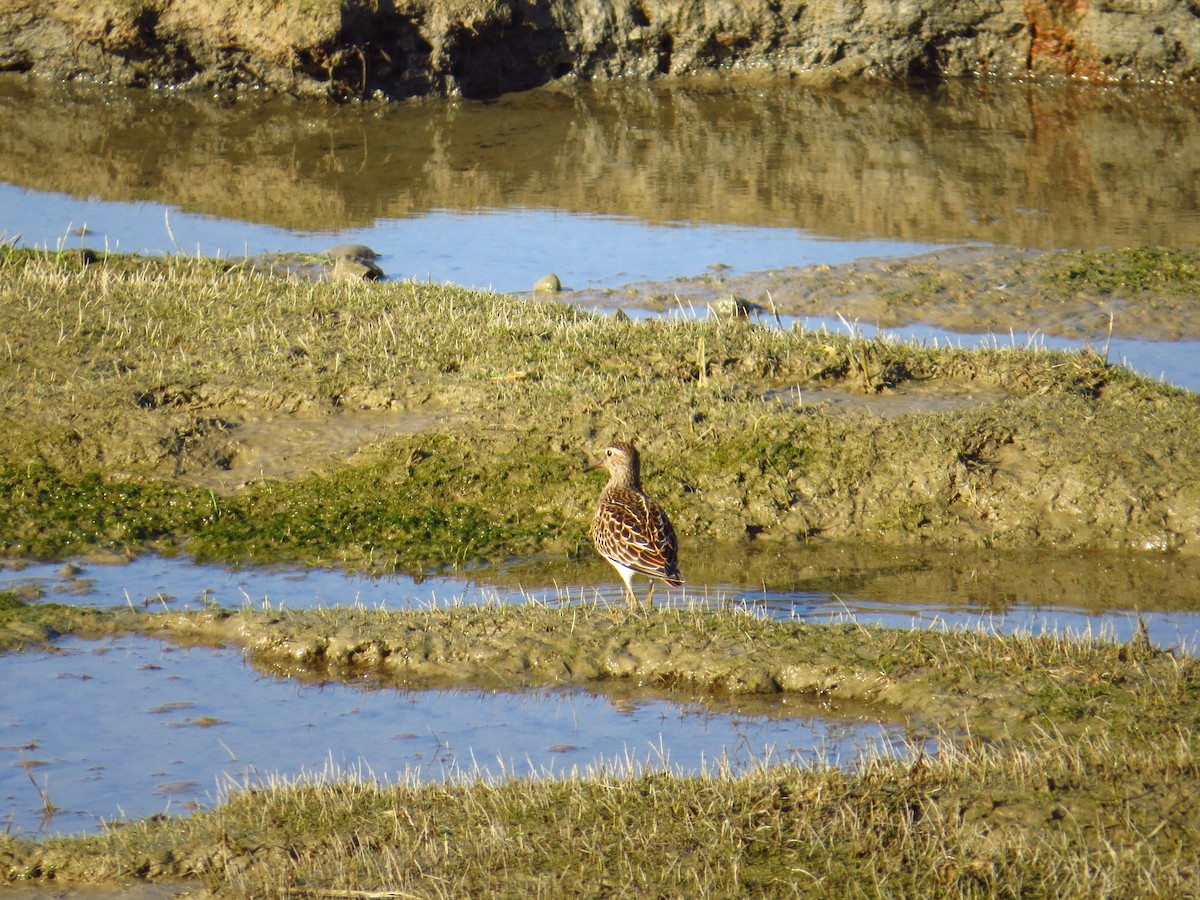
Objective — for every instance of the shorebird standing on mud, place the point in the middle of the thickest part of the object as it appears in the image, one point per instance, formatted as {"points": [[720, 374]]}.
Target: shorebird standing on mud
{"points": [[629, 529]]}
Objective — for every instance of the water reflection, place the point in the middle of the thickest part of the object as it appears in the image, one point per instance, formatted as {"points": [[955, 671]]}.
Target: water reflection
{"points": [[1039, 166], [167, 728]]}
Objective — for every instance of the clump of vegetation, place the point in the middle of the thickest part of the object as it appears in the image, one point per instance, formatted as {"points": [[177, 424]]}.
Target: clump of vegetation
{"points": [[25, 621], [973, 821]]}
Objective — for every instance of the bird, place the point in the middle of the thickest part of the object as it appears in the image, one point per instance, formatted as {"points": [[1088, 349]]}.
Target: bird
{"points": [[629, 529]]}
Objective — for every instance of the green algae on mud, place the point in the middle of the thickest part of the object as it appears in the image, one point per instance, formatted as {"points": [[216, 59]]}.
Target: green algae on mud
{"points": [[134, 391], [1065, 768]]}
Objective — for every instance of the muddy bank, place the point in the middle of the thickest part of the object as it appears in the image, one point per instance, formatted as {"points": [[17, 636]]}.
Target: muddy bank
{"points": [[348, 48], [120, 422], [1148, 294], [934, 678]]}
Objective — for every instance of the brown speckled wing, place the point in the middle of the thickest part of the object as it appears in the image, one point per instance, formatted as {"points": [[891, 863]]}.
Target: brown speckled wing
{"points": [[631, 529]]}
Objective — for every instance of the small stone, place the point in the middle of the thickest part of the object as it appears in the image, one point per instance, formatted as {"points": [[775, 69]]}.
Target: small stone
{"points": [[548, 285], [350, 251], [347, 269], [735, 306]]}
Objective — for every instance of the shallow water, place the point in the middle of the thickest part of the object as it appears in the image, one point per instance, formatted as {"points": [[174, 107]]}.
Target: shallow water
{"points": [[1100, 594], [428, 246], [130, 727], [168, 729]]}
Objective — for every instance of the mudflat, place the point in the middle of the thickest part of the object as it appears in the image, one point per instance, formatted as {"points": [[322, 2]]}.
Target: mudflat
{"points": [[195, 405], [184, 405]]}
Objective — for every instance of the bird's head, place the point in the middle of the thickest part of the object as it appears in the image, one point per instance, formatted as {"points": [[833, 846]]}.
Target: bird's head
{"points": [[621, 460]]}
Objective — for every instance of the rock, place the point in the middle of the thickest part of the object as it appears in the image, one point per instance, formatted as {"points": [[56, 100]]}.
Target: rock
{"points": [[548, 284], [350, 251], [735, 306], [347, 269]]}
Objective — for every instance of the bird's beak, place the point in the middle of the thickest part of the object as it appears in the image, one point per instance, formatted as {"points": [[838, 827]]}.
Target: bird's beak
{"points": [[592, 467]]}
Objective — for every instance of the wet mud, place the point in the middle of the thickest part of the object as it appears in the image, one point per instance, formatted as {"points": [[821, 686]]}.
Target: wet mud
{"points": [[243, 446], [971, 290]]}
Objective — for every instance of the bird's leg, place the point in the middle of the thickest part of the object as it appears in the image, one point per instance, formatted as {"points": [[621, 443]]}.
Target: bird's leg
{"points": [[630, 596], [650, 596]]}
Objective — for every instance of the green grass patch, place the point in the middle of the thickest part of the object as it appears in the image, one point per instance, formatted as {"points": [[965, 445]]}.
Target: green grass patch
{"points": [[1130, 269]]}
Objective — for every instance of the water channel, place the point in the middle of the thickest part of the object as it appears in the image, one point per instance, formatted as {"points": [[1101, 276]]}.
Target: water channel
{"points": [[604, 186]]}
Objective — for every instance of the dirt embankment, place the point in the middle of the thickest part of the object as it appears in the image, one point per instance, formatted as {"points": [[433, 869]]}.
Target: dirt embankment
{"points": [[352, 48]]}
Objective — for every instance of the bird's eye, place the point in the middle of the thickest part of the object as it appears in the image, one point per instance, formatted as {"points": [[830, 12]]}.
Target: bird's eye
{"points": [[609, 451]]}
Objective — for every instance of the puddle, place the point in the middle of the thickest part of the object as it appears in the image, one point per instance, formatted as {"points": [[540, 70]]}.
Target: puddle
{"points": [[1085, 593], [158, 583], [1168, 630], [167, 729]]}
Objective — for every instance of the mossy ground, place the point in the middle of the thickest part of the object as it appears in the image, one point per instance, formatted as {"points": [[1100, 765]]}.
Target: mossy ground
{"points": [[130, 384]]}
